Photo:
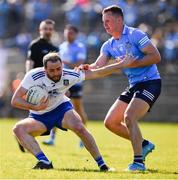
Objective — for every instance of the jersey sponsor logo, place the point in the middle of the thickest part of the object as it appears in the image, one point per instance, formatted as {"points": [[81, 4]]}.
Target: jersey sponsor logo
{"points": [[66, 82]]}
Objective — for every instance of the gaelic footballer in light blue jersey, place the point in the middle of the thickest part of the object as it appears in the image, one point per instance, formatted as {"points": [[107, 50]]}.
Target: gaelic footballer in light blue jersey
{"points": [[131, 43], [128, 43]]}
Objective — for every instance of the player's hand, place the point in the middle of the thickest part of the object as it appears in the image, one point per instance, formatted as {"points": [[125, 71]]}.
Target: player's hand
{"points": [[42, 105], [128, 61], [82, 67], [119, 59]]}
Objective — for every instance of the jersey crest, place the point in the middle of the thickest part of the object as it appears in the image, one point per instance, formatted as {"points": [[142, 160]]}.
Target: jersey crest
{"points": [[66, 82]]}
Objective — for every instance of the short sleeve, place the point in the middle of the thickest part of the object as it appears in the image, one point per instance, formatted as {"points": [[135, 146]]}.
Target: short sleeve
{"points": [[27, 81], [140, 39], [73, 76], [105, 49], [82, 76], [31, 52]]}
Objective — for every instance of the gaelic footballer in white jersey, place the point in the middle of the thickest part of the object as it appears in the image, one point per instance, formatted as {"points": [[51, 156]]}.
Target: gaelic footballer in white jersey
{"points": [[56, 91]]}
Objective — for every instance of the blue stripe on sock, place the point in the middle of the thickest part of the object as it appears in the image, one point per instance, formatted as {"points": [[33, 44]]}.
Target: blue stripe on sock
{"points": [[52, 135], [41, 156], [100, 161]]}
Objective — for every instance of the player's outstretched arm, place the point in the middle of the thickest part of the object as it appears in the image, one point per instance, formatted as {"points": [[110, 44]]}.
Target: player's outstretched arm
{"points": [[101, 72], [109, 69], [100, 62]]}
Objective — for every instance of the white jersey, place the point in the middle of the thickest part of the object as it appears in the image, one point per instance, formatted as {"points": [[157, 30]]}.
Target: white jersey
{"points": [[56, 91]]}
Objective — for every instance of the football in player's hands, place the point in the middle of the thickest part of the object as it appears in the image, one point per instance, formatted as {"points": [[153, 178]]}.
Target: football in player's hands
{"points": [[36, 94]]}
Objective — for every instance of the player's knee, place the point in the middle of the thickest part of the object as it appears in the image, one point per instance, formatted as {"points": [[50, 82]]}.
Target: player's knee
{"points": [[110, 123], [18, 130], [107, 123], [128, 119], [79, 129]]}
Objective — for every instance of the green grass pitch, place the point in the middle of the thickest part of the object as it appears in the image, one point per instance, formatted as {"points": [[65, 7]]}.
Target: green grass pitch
{"points": [[71, 162]]}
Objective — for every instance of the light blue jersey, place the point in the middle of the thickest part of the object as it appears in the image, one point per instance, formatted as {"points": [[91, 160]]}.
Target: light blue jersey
{"points": [[72, 52], [131, 42]]}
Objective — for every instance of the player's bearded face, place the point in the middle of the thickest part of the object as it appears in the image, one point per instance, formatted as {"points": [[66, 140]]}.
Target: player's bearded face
{"points": [[54, 71]]}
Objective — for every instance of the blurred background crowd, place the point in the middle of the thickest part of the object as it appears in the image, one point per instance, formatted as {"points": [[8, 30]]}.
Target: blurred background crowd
{"points": [[19, 21]]}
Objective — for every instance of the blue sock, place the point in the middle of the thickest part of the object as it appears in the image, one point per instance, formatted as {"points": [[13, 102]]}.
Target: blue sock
{"points": [[99, 160], [41, 157]]}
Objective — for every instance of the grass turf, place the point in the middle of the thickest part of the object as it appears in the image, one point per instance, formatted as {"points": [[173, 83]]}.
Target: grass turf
{"points": [[71, 162]]}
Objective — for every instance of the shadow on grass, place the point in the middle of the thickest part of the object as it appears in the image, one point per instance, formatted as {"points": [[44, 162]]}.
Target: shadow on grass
{"points": [[148, 171], [156, 171], [80, 170]]}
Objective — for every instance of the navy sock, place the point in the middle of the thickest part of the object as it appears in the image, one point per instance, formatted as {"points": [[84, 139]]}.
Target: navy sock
{"points": [[145, 142], [99, 160], [138, 159], [41, 157]]}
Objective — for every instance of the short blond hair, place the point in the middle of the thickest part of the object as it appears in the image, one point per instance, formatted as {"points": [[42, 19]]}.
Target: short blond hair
{"points": [[52, 57]]}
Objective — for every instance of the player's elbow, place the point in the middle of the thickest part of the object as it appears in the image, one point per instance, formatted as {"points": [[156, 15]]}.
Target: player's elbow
{"points": [[158, 58], [13, 102]]}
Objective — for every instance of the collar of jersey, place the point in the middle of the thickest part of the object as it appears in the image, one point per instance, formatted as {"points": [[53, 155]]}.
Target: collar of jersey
{"points": [[125, 29], [71, 43], [49, 82]]}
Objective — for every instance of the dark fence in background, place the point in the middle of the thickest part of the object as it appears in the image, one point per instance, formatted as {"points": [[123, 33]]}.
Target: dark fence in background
{"points": [[101, 94]]}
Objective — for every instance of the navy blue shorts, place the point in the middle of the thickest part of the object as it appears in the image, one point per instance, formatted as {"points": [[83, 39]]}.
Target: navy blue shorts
{"points": [[53, 118], [76, 91], [148, 91]]}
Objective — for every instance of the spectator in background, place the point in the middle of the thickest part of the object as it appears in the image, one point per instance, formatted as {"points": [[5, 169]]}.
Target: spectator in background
{"points": [[22, 41], [73, 54], [130, 9], [15, 17], [73, 13], [105, 3], [3, 77], [37, 11], [4, 9], [170, 49]]}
